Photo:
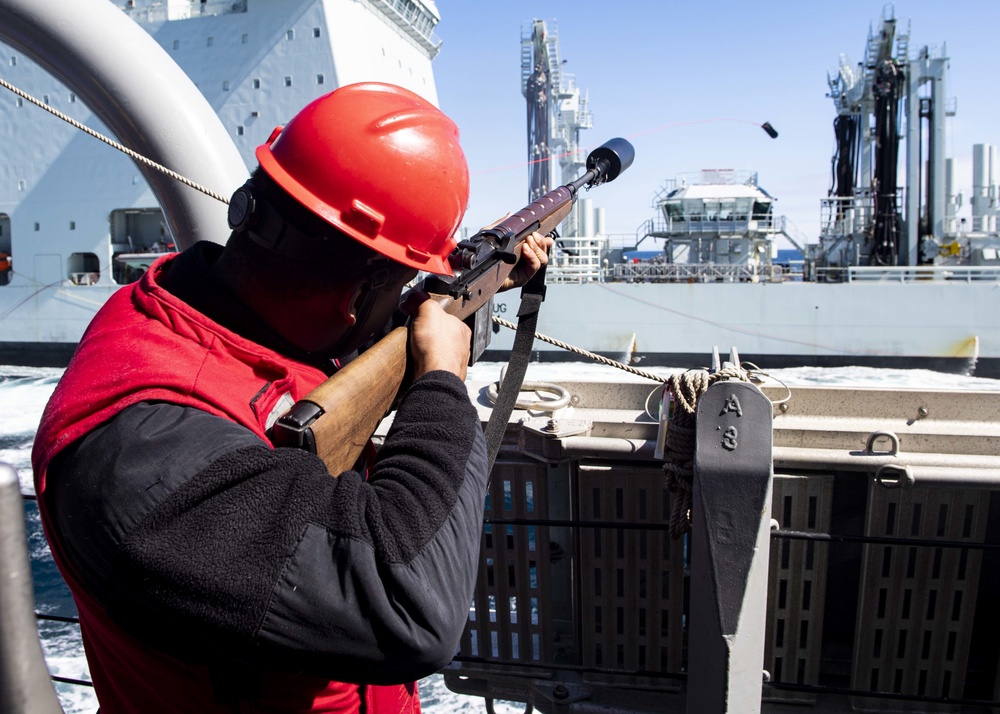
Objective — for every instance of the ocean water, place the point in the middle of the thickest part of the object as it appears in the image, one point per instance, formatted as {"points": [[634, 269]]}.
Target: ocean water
{"points": [[24, 391]]}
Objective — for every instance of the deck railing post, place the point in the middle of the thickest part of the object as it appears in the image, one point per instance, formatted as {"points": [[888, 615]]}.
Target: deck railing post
{"points": [[729, 550], [25, 687]]}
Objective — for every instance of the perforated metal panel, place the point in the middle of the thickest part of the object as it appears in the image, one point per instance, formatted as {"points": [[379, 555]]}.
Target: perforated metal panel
{"points": [[581, 596], [917, 603], [797, 584], [511, 617], [631, 580]]}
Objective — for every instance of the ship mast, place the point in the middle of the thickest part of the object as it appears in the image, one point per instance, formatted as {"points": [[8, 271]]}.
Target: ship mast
{"points": [[556, 113]]}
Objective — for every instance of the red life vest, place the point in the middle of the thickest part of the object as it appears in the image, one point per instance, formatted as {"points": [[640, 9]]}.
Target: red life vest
{"points": [[145, 344]]}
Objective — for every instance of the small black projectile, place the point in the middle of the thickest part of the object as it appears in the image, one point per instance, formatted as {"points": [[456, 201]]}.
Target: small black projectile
{"points": [[771, 131]]}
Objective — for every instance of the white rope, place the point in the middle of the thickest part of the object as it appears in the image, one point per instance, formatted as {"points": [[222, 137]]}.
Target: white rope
{"points": [[111, 142], [584, 353]]}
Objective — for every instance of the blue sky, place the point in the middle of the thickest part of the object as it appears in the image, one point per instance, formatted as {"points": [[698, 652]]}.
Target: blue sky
{"points": [[688, 81]]}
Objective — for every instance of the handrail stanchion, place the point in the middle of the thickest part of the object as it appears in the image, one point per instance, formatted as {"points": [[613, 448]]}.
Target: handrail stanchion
{"points": [[25, 686]]}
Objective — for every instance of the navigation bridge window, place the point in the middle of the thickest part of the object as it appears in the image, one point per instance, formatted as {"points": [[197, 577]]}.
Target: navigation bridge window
{"points": [[733, 209], [138, 237]]}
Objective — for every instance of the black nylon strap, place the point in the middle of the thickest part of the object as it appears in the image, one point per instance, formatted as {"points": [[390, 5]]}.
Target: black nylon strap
{"points": [[532, 295]]}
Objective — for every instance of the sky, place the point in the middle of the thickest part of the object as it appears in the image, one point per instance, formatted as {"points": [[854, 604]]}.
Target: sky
{"points": [[689, 83]]}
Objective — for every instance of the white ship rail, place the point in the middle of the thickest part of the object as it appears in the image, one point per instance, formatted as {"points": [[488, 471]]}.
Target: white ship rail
{"points": [[661, 227], [656, 272], [848, 215], [707, 177], [415, 19], [577, 260], [909, 274], [154, 12]]}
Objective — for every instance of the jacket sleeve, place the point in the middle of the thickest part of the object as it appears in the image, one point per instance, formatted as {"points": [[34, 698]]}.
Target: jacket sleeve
{"points": [[200, 538]]}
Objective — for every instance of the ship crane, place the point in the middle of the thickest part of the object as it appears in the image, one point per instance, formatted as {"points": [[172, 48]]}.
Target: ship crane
{"points": [[557, 111], [864, 165], [888, 100]]}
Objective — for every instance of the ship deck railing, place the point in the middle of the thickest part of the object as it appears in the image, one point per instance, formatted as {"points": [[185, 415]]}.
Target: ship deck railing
{"points": [[160, 12], [414, 19], [578, 260], [657, 272], [909, 274], [850, 215], [701, 225]]}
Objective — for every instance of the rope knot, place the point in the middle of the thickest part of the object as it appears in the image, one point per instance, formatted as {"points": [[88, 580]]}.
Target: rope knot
{"points": [[684, 389]]}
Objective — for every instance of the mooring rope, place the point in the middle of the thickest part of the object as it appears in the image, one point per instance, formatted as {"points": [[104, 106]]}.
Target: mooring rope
{"points": [[584, 353], [678, 451]]}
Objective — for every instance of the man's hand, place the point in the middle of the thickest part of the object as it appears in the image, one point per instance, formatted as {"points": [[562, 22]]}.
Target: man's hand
{"points": [[439, 341], [534, 254]]}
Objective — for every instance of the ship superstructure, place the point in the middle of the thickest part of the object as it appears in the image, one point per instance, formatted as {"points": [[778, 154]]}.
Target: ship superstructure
{"points": [[895, 278], [77, 220], [887, 105], [715, 225]]}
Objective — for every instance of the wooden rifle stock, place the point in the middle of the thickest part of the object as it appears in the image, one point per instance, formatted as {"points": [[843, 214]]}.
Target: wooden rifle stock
{"points": [[364, 390], [368, 384]]}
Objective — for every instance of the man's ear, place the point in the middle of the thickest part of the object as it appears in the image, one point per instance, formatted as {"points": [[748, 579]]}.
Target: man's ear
{"points": [[350, 298]]}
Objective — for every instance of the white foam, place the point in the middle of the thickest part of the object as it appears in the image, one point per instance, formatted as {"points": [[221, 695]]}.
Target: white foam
{"points": [[801, 376]]}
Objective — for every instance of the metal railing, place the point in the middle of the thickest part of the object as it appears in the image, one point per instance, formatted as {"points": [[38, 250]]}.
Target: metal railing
{"points": [[584, 602], [578, 260], [909, 274], [846, 215], [698, 225], [655, 272], [414, 19], [150, 12]]}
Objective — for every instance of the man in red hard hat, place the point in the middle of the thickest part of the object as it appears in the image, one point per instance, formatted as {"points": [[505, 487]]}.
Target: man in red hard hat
{"points": [[212, 571]]}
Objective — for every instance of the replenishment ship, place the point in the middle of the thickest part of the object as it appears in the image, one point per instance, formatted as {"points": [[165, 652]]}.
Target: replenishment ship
{"points": [[895, 277]]}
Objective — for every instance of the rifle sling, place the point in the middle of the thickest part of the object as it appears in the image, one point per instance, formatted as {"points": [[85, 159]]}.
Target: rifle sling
{"points": [[532, 295]]}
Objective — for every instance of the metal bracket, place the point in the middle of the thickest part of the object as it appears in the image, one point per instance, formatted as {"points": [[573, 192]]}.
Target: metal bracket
{"points": [[718, 365], [557, 428]]}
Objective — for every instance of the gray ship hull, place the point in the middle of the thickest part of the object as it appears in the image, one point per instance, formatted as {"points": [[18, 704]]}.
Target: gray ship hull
{"points": [[951, 326]]}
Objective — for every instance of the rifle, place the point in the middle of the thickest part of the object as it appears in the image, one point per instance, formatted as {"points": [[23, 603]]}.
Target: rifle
{"points": [[481, 264]]}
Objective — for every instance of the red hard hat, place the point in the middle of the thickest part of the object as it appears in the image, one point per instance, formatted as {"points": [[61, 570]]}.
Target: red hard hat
{"points": [[380, 163]]}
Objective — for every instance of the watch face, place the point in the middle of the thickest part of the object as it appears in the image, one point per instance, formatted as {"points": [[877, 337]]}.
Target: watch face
{"points": [[239, 209]]}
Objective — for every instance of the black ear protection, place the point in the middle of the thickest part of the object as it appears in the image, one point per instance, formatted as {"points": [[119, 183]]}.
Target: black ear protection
{"points": [[267, 228], [242, 208]]}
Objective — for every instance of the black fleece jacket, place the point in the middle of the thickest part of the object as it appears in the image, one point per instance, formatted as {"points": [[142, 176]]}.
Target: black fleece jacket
{"points": [[205, 542]]}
